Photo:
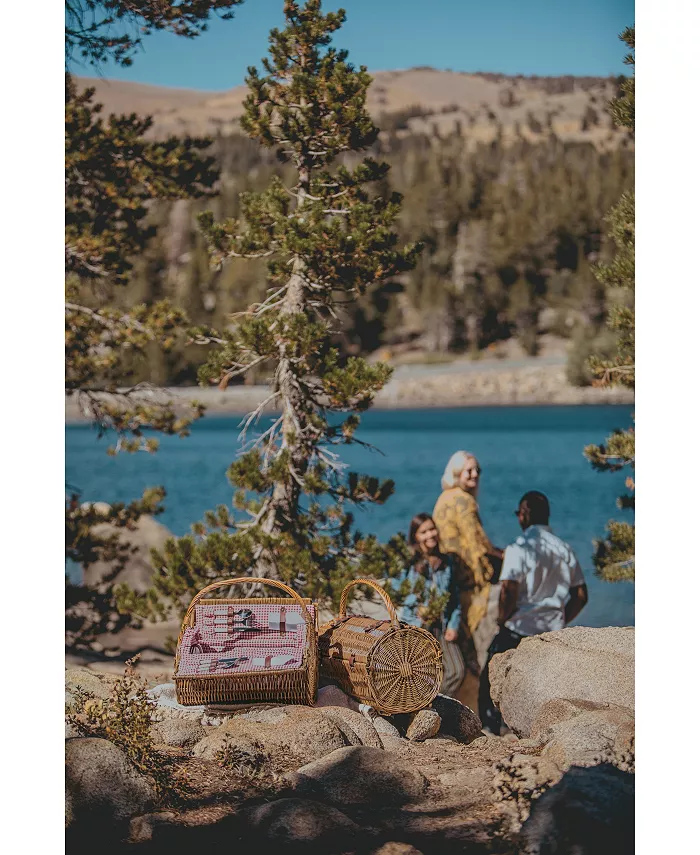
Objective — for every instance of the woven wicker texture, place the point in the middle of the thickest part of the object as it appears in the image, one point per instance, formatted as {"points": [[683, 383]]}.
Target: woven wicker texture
{"points": [[285, 685], [392, 666]]}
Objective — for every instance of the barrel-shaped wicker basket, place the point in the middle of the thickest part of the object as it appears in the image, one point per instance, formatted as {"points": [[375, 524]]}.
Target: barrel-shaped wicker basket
{"points": [[296, 685], [390, 665]]}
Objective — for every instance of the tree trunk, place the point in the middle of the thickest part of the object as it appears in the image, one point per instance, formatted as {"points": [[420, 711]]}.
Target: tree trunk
{"points": [[282, 506]]}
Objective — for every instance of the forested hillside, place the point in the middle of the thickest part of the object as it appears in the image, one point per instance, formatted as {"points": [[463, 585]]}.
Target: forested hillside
{"points": [[508, 195]]}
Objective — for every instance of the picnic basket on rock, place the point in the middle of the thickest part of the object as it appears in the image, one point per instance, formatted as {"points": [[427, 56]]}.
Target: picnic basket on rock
{"points": [[392, 666], [247, 650]]}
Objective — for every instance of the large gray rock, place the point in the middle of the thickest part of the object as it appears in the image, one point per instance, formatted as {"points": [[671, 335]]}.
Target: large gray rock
{"points": [[292, 732], [590, 737], [102, 785], [360, 775], [457, 720], [579, 663], [589, 812], [99, 685], [301, 822], [178, 732], [137, 572]]}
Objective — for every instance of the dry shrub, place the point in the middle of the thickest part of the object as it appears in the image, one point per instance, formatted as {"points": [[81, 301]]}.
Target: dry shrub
{"points": [[124, 718], [251, 766]]}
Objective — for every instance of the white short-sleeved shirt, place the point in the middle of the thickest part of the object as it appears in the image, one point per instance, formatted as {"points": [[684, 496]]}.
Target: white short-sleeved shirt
{"points": [[545, 567]]}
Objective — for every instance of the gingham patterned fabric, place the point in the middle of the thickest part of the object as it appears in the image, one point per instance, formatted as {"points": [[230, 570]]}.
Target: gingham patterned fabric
{"points": [[214, 646]]}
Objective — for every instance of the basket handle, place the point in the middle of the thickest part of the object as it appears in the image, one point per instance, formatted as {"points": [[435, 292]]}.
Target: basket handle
{"points": [[378, 588], [275, 583]]}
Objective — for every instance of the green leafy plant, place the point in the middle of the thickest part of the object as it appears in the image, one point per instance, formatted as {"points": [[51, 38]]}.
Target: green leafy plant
{"points": [[113, 175], [326, 238]]}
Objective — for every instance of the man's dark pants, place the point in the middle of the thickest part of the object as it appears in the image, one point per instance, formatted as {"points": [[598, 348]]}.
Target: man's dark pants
{"points": [[489, 715]]}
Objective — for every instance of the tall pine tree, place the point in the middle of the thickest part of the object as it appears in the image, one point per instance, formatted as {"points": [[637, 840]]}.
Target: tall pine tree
{"points": [[326, 238], [113, 172], [614, 556]]}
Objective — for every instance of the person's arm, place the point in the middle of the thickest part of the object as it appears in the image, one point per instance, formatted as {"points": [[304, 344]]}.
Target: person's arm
{"points": [[472, 534], [491, 550], [483, 538], [578, 597], [507, 600], [512, 574], [446, 522], [578, 592]]}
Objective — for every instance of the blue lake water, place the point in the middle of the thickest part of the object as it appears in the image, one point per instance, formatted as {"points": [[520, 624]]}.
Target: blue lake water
{"points": [[519, 449]]}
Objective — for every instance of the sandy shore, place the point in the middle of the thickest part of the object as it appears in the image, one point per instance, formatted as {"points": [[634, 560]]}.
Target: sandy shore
{"points": [[463, 383]]}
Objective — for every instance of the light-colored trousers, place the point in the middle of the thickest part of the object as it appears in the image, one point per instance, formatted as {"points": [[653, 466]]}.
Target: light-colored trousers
{"points": [[453, 665], [487, 630]]}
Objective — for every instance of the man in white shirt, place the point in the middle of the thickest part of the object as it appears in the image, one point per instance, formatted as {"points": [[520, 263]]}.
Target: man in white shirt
{"points": [[542, 590]]}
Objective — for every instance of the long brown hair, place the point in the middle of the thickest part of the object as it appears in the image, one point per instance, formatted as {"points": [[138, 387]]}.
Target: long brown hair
{"points": [[420, 561], [416, 523]]}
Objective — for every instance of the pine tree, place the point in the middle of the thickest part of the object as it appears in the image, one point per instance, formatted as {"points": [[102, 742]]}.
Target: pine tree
{"points": [[112, 174], [97, 30], [614, 556], [327, 238]]}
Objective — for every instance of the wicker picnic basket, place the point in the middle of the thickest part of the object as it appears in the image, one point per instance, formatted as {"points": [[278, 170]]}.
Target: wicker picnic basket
{"points": [[390, 665], [269, 647]]}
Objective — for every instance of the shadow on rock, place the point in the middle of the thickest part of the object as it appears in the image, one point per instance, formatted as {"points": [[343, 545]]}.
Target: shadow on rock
{"points": [[589, 812]]}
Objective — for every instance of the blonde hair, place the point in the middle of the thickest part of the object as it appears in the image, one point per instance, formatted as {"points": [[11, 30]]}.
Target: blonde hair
{"points": [[455, 467]]}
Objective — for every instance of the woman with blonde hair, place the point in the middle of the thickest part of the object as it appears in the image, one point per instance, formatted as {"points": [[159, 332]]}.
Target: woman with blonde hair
{"points": [[461, 532]]}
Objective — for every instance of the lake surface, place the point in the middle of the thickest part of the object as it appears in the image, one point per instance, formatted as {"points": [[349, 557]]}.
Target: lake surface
{"points": [[519, 449]]}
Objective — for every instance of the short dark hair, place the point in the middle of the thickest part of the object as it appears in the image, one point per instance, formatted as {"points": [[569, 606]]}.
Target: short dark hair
{"points": [[416, 523], [538, 505]]}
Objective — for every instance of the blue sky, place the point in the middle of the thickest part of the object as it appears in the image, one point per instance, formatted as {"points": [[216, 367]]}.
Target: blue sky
{"points": [[544, 37]]}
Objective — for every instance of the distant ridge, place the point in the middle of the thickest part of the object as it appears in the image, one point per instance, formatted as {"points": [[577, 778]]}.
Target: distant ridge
{"points": [[424, 99]]}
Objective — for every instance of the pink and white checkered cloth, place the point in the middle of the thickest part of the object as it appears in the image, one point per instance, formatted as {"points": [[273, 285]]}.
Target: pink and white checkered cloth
{"points": [[235, 649]]}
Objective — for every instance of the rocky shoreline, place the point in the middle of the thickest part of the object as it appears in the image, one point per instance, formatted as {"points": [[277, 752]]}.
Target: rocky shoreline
{"points": [[488, 383], [330, 779]]}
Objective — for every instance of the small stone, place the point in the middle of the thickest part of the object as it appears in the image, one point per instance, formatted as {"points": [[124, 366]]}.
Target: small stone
{"points": [[424, 725], [458, 721]]}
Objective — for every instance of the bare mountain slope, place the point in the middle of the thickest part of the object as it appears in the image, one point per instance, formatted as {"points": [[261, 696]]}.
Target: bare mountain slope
{"points": [[418, 99]]}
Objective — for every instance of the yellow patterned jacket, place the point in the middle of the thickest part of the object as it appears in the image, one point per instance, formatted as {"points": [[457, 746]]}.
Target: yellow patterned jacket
{"points": [[457, 519]]}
